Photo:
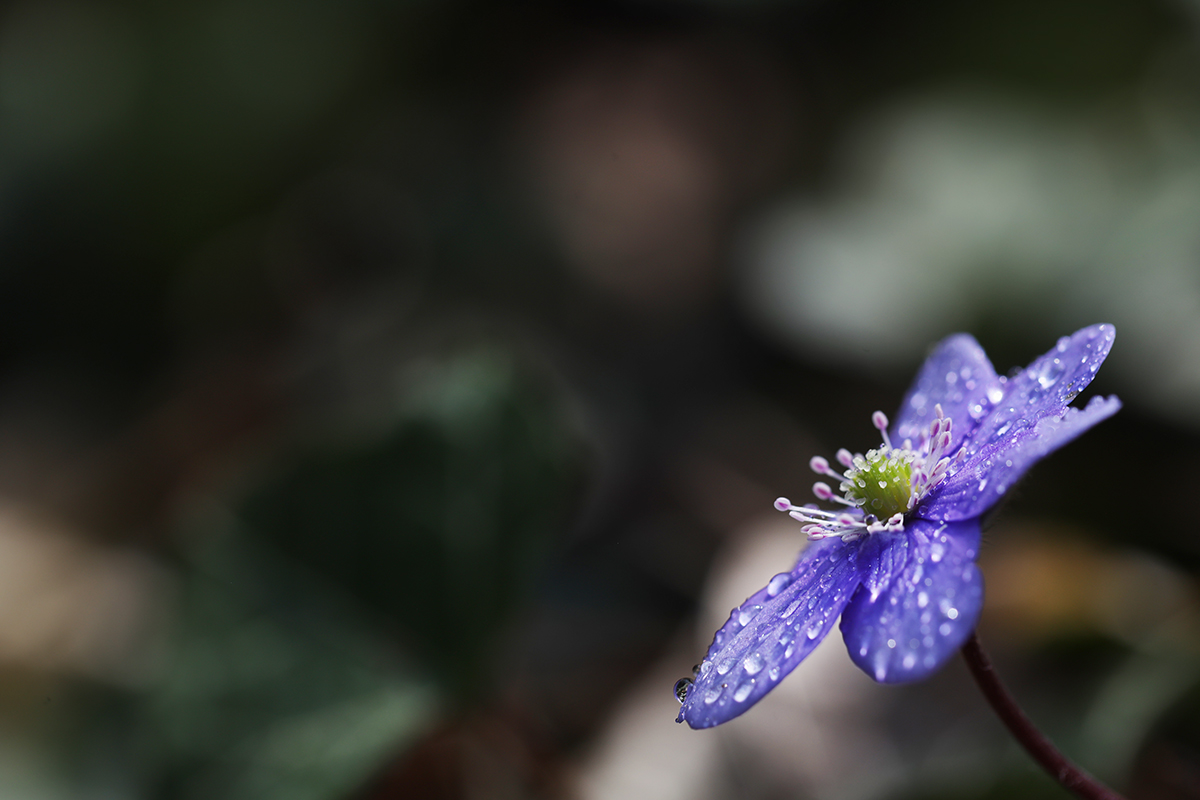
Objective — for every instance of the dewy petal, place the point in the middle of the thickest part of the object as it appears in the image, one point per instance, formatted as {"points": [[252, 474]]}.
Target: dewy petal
{"points": [[983, 481], [881, 558], [1045, 388], [914, 626], [769, 634], [957, 375]]}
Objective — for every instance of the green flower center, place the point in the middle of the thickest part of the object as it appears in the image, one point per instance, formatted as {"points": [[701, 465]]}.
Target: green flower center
{"points": [[880, 488], [881, 482]]}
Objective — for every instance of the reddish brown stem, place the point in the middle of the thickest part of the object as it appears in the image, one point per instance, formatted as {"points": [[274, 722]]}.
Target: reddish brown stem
{"points": [[1061, 768]]}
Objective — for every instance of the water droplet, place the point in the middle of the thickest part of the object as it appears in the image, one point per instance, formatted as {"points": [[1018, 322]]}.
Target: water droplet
{"points": [[983, 484], [743, 691], [695, 670], [724, 666], [681, 688], [791, 648], [1049, 373], [995, 394], [778, 583], [791, 609], [814, 630], [773, 673], [952, 613], [748, 614], [705, 668], [711, 696], [754, 663], [922, 599], [892, 644]]}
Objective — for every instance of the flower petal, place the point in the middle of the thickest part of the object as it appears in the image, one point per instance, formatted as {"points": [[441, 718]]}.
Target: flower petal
{"points": [[914, 626], [982, 481], [1042, 390], [881, 558], [769, 634], [958, 375]]}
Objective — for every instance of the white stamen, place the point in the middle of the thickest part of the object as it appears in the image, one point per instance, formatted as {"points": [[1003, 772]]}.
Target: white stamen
{"points": [[880, 420], [929, 463]]}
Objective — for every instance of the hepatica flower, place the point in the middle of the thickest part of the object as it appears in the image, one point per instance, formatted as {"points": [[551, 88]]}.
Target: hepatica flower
{"points": [[893, 549]]}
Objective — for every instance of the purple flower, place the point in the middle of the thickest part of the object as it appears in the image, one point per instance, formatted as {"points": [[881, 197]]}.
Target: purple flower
{"points": [[895, 558]]}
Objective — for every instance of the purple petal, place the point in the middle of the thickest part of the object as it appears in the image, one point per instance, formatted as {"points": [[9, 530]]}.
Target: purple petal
{"points": [[914, 626], [769, 634], [881, 558], [1040, 391], [958, 375], [983, 480]]}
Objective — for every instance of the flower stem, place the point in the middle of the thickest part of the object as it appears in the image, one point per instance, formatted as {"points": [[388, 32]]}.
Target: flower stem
{"points": [[1061, 768]]}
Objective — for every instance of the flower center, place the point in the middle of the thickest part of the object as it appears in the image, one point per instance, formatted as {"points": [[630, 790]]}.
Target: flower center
{"points": [[880, 482], [885, 484]]}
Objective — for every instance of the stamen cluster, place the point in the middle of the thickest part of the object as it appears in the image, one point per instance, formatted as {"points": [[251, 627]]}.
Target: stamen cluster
{"points": [[877, 489]]}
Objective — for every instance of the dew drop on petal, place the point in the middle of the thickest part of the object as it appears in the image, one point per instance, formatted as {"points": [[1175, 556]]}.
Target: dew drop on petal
{"points": [[743, 691], [681, 689], [773, 673], [754, 663], [748, 614], [952, 613], [778, 583], [711, 696], [891, 643]]}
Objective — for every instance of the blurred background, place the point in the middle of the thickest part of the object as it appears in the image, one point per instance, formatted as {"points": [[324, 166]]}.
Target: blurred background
{"points": [[393, 394]]}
